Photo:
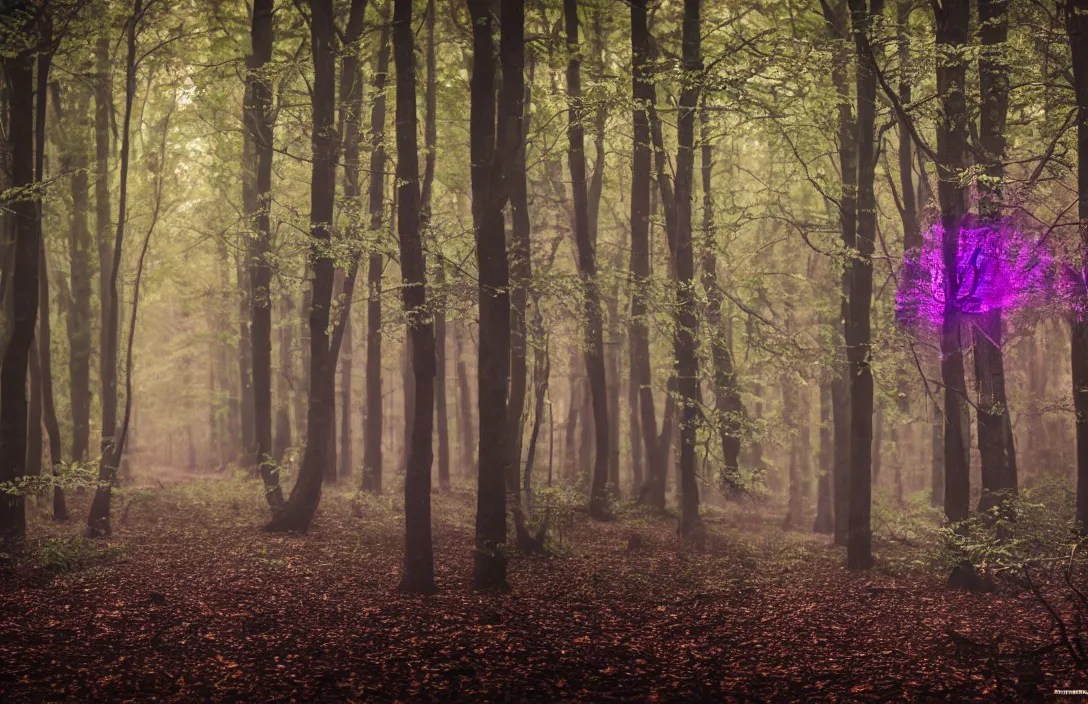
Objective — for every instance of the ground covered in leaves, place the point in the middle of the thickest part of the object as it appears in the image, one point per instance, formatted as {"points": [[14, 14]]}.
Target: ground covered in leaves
{"points": [[190, 601]]}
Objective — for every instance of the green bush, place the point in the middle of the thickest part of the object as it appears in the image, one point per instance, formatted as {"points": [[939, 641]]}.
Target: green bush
{"points": [[71, 554]]}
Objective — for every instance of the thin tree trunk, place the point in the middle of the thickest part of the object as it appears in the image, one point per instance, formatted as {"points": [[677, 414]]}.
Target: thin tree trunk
{"points": [[464, 399], [418, 576], [74, 160], [952, 29], [372, 432], [49, 413], [430, 137], [686, 341], [488, 199], [728, 408], [297, 513], [98, 522], [642, 89], [103, 108], [285, 380], [587, 267]]}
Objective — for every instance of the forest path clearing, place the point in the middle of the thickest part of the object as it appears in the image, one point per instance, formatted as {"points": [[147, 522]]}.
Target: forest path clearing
{"points": [[192, 602]]}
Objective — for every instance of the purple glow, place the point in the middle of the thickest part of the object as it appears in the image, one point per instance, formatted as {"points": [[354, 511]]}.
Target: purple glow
{"points": [[997, 267]]}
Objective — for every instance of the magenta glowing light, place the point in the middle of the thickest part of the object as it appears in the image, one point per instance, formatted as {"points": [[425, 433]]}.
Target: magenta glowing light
{"points": [[997, 268]]}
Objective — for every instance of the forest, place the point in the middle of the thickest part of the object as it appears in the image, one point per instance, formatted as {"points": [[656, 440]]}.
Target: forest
{"points": [[543, 350]]}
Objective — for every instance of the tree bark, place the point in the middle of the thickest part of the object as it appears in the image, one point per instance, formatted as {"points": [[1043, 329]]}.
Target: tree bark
{"points": [[258, 123], [952, 33], [98, 522], [686, 341], [587, 267], [858, 329], [643, 92], [297, 513], [997, 452], [728, 408], [430, 137], [103, 108], [1076, 22], [418, 576], [372, 432], [488, 198], [19, 78]]}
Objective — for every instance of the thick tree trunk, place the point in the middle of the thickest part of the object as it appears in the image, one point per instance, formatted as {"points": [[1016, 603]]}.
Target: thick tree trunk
{"points": [[372, 432], [18, 75], [686, 342], [297, 513], [587, 267], [418, 576], [488, 199], [98, 522], [643, 92], [997, 452], [952, 20], [858, 328], [1076, 22], [258, 123]]}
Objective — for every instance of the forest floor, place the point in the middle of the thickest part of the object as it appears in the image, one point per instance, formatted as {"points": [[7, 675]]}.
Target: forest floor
{"points": [[190, 601]]}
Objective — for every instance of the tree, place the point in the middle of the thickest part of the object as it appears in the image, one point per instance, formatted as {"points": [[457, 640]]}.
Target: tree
{"points": [[297, 513], [858, 325], [686, 340], [258, 133], [19, 78], [1076, 22], [488, 199], [995, 444], [418, 574], [351, 113], [587, 266], [98, 522], [372, 430], [952, 19]]}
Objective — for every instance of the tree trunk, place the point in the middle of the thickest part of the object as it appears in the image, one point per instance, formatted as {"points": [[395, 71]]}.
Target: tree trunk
{"points": [[418, 576], [372, 432], [49, 413], [258, 133], [98, 522], [686, 341], [587, 267], [488, 199], [643, 92], [103, 108], [994, 433], [74, 160], [464, 399], [858, 328], [19, 77], [952, 20], [848, 166], [297, 513], [430, 136], [728, 408], [1076, 22]]}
